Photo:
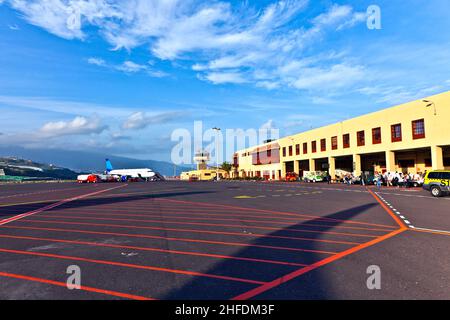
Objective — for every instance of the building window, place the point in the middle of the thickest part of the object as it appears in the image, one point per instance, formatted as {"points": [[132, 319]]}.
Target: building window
{"points": [[346, 140], [314, 146], [297, 149], [376, 135], [396, 132], [334, 143], [284, 151], [290, 151], [323, 145], [305, 148], [418, 129], [361, 137]]}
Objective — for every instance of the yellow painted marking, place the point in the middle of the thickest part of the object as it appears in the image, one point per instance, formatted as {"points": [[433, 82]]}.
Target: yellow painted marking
{"points": [[244, 197]]}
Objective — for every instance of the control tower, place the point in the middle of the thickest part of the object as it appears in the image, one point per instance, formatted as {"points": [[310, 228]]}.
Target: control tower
{"points": [[202, 158]]}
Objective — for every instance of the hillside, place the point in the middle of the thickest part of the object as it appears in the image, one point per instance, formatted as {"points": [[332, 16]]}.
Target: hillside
{"points": [[12, 166], [85, 161]]}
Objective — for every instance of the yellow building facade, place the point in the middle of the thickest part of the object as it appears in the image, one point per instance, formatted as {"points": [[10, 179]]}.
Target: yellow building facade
{"points": [[413, 137]]}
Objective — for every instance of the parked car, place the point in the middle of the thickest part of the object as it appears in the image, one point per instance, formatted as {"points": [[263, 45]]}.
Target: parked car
{"points": [[437, 182]]}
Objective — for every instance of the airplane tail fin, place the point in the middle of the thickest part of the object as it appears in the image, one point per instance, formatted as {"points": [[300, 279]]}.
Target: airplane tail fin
{"points": [[109, 166]]}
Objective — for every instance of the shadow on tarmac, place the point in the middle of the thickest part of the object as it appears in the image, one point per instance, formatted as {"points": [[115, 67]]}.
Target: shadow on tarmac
{"points": [[312, 286], [91, 202]]}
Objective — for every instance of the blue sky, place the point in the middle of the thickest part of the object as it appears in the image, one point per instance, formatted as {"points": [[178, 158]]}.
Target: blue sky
{"points": [[120, 76]]}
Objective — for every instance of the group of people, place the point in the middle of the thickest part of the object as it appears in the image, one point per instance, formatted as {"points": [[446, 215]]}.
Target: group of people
{"points": [[398, 179], [389, 179]]}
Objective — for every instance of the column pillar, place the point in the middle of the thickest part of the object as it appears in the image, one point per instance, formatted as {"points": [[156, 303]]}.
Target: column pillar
{"points": [[437, 158], [390, 161], [283, 170], [312, 165], [357, 165], [332, 167], [296, 166]]}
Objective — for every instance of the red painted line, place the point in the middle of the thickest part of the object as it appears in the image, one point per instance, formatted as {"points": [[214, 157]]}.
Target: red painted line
{"points": [[254, 235], [389, 211], [272, 212], [199, 254], [226, 210], [211, 225], [128, 265], [277, 282], [39, 192], [207, 217], [84, 288], [54, 205], [140, 236]]}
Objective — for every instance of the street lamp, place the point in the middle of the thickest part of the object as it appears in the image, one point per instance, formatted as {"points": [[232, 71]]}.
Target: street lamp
{"points": [[429, 104], [217, 152]]}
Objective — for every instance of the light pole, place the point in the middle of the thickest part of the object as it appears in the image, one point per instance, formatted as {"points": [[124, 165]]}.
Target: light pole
{"points": [[217, 152], [429, 104]]}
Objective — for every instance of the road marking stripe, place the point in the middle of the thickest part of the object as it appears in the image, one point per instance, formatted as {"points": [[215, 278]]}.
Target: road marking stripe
{"points": [[442, 232], [146, 236], [54, 205], [277, 282], [254, 235], [271, 222], [64, 216], [129, 265], [271, 211], [64, 285], [389, 211], [200, 254]]}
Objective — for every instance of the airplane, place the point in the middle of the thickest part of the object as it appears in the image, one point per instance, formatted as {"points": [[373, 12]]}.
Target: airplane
{"points": [[145, 174]]}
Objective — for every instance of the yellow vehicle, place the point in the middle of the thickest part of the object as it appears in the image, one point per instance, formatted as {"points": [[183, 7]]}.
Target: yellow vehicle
{"points": [[438, 182]]}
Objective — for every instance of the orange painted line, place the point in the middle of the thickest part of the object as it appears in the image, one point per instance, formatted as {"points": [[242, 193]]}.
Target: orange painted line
{"points": [[210, 225], [54, 205], [254, 235], [84, 288], [206, 216], [430, 231], [225, 209], [274, 212], [145, 236], [199, 254], [128, 265], [389, 211], [36, 193], [277, 282]]}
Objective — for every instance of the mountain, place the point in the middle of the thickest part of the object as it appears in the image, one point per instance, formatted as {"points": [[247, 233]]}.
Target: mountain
{"points": [[16, 167], [86, 161]]}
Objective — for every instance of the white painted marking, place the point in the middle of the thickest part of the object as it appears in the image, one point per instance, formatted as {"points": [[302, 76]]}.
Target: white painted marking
{"points": [[434, 230]]}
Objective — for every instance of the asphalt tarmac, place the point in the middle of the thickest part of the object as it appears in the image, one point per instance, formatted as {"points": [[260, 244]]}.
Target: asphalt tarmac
{"points": [[222, 240]]}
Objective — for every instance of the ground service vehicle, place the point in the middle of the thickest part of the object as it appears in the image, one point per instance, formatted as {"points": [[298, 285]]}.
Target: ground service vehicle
{"points": [[314, 176], [437, 182], [291, 177]]}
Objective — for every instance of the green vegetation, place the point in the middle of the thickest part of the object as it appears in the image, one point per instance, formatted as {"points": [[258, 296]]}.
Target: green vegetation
{"points": [[15, 169]]}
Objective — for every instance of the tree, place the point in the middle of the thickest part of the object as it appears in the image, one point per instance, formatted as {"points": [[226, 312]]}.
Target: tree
{"points": [[226, 166]]}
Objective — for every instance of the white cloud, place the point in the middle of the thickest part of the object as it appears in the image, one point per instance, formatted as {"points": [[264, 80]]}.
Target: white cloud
{"points": [[337, 76], [224, 77], [131, 67], [226, 43], [78, 126], [96, 61], [128, 67], [141, 120]]}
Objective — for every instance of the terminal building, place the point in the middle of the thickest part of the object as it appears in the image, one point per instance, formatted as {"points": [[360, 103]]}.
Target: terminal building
{"points": [[412, 138]]}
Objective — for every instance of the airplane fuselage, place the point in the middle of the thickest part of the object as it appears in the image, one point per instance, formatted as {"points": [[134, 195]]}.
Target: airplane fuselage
{"points": [[134, 173]]}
